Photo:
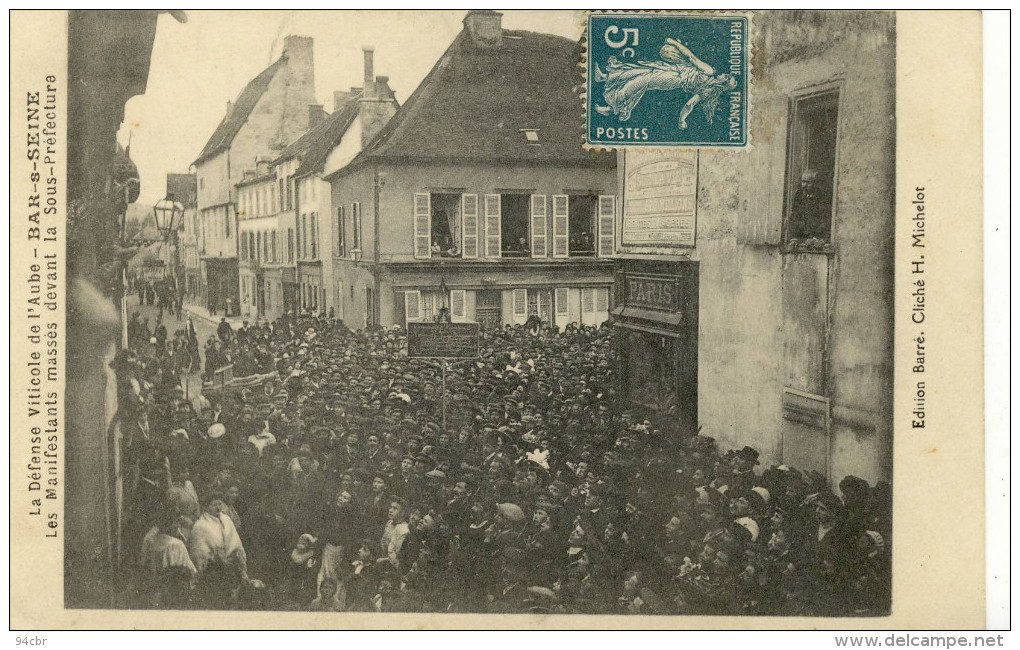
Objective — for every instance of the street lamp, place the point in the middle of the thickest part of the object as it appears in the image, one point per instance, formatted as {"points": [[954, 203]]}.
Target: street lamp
{"points": [[169, 215], [444, 309]]}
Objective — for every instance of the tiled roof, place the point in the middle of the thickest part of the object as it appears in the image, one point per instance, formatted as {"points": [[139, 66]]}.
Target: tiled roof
{"points": [[477, 103], [314, 146], [245, 104]]}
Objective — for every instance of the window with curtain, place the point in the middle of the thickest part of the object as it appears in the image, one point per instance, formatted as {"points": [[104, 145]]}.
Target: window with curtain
{"points": [[446, 225]]}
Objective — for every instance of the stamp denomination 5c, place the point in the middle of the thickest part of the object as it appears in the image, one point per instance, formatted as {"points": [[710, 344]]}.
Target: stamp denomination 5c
{"points": [[667, 80]]}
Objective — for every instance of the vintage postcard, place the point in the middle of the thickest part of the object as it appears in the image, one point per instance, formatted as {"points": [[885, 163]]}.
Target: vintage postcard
{"points": [[483, 319]]}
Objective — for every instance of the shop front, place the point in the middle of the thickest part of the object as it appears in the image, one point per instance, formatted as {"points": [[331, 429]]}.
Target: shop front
{"points": [[222, 282], [656, 321]]}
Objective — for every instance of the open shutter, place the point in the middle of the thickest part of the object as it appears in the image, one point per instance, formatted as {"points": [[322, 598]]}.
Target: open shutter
{"points": [[341, 252], [561, 225], [469, 235], [562, 298], [422, 226], [412, 306], [356, 218], [458, 310], [587, 300], [520, 305], [607, 224], [539, 236], [492, 225], [602, 299]]}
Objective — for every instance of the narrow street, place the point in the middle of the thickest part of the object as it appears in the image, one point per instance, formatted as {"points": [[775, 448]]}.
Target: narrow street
{"points": [[204, 328]]}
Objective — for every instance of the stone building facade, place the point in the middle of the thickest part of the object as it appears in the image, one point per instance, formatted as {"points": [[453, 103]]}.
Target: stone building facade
{"points": [[476, 196], [271, 112], [774, 306]]}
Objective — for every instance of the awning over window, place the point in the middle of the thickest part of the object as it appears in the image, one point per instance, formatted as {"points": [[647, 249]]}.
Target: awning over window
{"points": [[661, 318]]}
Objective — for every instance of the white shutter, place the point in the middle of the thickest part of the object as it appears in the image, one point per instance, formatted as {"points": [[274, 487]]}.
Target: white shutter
{"points": [[561, 225], [469, 223], [607, 224], [562, 298], [422, 226], [493, 213], [412, 306], [602, 299], [356, 218], [520, 304], [340, 225], [587, 300], [458, 309], [539, 238]]}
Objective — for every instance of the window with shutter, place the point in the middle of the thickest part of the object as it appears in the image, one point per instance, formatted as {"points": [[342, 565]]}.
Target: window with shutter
{"points": [[304, 237], [340, 252], [545, 307], [458, 309], [314, 220], [412, 306], [469, 213], [492, 225], [356, 224], [602, 299], [607, 224], [561, 225], [562, 301], [539, 237], [422, 225], [520, 303], [587, 300]]}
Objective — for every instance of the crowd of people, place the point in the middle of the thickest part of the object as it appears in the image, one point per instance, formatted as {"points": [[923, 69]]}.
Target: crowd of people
{"points": [[332, 485], [162, 293]]}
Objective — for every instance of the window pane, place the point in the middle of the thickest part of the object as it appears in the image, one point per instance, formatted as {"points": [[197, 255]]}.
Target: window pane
{"points": [[446, 223], [812, 167], [515, 214], [582, 225]]}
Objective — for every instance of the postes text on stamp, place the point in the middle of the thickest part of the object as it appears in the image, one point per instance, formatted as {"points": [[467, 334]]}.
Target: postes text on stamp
{"points": [[667, 80]]}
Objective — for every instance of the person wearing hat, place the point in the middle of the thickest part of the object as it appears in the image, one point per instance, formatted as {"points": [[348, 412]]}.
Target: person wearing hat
{"points": [[350, 453], [457, 510], [408, 481], [302, 570], [870, 585]]}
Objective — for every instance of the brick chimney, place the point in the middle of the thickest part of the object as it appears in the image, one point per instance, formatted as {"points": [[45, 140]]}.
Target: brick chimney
{"points": [[315, 114], [298, 50], [369, 81], [485, 27], [382, 88], [377, 104]]}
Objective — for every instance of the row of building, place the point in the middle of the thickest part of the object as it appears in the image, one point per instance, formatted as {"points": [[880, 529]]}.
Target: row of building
{"points": [[763, 314], [478, 183]]}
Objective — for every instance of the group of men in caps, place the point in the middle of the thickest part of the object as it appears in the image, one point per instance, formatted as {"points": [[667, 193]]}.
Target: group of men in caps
{"points": [[333, 486]]}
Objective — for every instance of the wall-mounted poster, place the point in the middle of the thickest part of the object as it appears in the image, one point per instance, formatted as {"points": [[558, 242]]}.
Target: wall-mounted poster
{"points": [[660, 198]]}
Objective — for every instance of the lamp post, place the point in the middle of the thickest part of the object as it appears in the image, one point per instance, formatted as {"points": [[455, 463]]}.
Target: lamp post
{"points": [[169, 215]]}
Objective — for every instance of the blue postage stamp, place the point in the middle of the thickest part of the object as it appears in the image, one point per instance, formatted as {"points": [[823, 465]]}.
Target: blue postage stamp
{"points": [[667, 80]]}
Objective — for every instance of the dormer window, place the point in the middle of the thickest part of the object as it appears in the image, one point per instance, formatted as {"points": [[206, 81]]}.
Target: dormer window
{"points": [[531, 135]]}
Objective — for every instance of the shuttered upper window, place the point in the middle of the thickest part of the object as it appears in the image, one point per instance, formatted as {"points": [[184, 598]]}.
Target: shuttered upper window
{"points": [[539, 227], [607, 225]]}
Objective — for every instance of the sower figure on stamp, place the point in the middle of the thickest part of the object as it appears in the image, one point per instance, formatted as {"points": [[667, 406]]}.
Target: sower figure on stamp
{"points": [[680, 69]]}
